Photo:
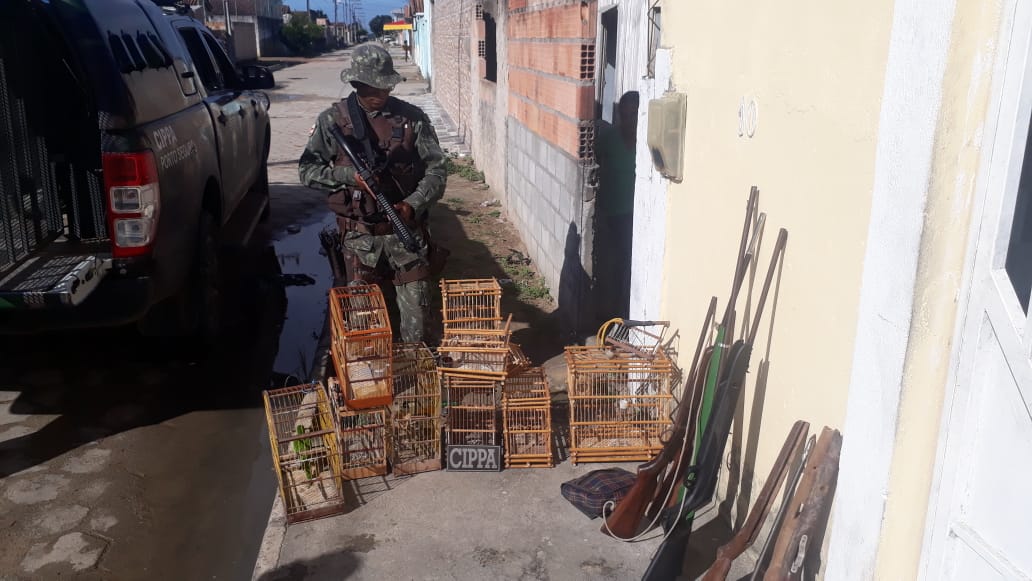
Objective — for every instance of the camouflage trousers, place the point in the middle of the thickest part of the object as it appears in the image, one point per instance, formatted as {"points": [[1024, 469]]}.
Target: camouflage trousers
{"points": [[377, 259]]}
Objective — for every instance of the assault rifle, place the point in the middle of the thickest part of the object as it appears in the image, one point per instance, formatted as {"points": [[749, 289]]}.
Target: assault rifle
{"points": [[368, 182]]}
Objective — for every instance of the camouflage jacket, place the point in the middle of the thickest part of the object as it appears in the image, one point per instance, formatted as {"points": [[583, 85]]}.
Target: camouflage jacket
{"points": [[317, 169]]}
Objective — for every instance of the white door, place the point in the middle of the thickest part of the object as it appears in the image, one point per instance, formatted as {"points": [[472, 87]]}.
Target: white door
{"points": [[979, 524]]}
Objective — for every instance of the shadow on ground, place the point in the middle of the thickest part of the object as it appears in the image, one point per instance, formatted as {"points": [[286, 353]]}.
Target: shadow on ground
{"points": [[101, 382], [322, 568]]}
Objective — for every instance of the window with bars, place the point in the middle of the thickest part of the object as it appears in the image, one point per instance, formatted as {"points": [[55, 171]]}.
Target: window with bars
{"points": [[654, 30]]}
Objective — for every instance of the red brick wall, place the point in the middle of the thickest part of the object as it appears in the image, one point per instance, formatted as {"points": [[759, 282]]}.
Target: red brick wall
{"points": [[454, 47], [551, 68]]}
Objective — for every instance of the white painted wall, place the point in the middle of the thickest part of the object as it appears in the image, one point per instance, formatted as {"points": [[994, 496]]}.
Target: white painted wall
{"points": [[907, 123], [650, 206]]}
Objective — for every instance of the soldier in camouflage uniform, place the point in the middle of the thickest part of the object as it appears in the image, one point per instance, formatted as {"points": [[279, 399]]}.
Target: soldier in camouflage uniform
{"points": [[399, 141]]}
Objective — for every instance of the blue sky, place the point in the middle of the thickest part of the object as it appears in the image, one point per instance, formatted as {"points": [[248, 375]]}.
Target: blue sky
{"points": [[370, 8]]}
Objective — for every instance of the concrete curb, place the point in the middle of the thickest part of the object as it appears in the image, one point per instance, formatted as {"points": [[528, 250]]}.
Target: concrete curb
{"points": [[272, 541]]}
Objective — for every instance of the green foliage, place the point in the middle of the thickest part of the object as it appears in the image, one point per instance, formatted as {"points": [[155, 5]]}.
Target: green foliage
{"points": [[495, 213], [376, 24], [468, 171], [533, 289], [301, 35]]}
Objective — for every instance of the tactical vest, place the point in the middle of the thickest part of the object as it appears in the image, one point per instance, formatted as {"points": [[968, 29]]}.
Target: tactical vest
{"points": [[392, 138]]}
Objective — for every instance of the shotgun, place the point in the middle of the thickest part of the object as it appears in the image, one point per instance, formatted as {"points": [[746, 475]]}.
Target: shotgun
{"points": [[624, 521], [802, 534], [725, 331], [369, 184], [727, 553], [793, 482], [700, 480]]}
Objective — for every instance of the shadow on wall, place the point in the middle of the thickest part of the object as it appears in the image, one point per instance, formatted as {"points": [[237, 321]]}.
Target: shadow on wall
{"points": [[574, 290]]}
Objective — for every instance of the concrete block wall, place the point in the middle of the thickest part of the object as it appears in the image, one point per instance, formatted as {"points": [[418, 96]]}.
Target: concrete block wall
{"points": [[491, 105], [454, 49], [550, 164]]}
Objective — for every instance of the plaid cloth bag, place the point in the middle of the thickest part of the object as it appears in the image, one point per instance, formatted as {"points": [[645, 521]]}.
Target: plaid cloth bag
{"points": [[589, 493]]}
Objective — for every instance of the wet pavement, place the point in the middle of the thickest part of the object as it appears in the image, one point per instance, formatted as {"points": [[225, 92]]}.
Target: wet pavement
{"points": [[128, 458]]}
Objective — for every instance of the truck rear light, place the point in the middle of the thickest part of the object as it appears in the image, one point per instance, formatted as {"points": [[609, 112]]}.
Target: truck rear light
{"points": [[134, 200]]}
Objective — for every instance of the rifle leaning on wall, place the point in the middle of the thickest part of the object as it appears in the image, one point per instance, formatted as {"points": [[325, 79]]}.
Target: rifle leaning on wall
{"points": [[801, 535], [656, 479], [369, 184], [747, 535], [624, 522], [714, 363], [700, 480]]}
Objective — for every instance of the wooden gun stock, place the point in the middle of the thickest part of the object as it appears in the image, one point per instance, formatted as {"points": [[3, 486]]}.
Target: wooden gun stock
{"points": [[727, 553], [803, 530], [624, 521]]}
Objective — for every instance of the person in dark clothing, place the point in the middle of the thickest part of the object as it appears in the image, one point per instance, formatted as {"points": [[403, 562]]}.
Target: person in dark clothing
{"points": [[614, 208]]}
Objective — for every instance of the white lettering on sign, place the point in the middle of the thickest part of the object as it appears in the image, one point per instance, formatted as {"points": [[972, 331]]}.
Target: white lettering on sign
{"points": [[482, 458], [164, 138]]}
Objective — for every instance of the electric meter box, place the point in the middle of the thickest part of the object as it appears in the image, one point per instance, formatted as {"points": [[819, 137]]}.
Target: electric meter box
{"points": [[667, 118]]}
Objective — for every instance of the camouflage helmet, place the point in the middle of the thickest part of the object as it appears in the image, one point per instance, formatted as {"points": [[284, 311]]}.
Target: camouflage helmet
{"points": [[371, 65]]}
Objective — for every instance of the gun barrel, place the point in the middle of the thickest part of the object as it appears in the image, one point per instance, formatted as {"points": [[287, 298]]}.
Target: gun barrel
{"points": [[366, 173]]}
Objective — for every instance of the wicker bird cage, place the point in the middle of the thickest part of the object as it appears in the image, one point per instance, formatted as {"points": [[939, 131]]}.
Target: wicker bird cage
{"points": [[471, 304], [479, 352], [305, 451], [643, 338], [527, 420], [620, 404], [518, 360], [472, 410], [363, 439], [416, 412], [361, 345]]}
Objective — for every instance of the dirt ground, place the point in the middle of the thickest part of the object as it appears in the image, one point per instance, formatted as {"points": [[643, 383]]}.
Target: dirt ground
{"points": [[471, 223]]}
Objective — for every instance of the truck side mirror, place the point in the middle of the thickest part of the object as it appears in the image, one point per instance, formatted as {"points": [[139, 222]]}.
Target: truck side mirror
{"points": [[256, 77]]}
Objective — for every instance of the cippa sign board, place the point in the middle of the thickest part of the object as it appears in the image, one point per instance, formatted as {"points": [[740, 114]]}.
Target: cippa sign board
{"points": [[474, 458]]}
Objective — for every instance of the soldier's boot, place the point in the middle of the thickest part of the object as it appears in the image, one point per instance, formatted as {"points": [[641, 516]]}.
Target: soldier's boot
{"points": [[414, 309]]}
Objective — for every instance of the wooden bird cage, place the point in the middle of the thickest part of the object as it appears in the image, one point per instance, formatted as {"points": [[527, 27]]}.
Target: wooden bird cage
{"points": [[472, 408], [518, 360], [305, 451], [527, 420], [361, 345], [363, 440], [416, 412], [620, 404], [643, 338], [480, 352], [471, 304], [359, 309]]}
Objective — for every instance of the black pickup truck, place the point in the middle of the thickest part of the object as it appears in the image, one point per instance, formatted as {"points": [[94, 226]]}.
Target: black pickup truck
{"points": [[132, 150]]}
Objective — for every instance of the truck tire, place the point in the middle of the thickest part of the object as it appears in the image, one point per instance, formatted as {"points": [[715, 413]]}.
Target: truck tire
{"points": [[206, 286], [193, 317], [261, 185]]}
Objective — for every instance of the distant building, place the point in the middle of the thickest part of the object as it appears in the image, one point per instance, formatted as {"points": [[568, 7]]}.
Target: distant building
{"points": [[254, 25]]}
